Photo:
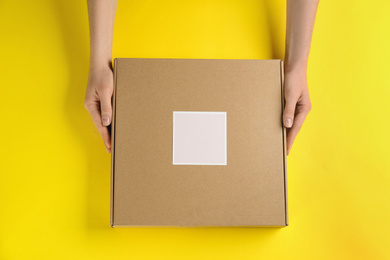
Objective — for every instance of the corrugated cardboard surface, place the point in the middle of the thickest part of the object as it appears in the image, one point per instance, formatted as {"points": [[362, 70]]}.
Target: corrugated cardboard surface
{"points": [[148, 190]]}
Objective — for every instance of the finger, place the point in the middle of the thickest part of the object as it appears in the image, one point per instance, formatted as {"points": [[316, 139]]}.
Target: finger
{"points": [[94, 111], [105, 107], [289, 110], [294, 130]]}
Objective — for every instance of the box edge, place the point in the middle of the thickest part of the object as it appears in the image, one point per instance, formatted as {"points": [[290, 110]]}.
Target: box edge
{"points": [[113, 128], [284, 146]]}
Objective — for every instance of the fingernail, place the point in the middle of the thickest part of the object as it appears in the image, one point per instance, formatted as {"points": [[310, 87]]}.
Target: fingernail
{"points": [[288, 122], [106, 120]]}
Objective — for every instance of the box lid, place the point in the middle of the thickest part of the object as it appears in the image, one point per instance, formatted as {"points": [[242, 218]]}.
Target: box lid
{"points": [[148, 189]]}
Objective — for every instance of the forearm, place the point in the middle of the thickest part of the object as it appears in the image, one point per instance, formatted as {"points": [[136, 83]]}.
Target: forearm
{"points": [[299, 28], [101, 14]]}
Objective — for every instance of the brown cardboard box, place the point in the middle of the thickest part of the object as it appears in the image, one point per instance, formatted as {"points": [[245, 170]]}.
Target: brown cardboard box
{"points": [[163, 173]]}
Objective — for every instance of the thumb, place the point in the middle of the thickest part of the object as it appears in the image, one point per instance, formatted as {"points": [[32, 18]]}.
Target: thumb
{"points": [[106, 108], [289, 111]]}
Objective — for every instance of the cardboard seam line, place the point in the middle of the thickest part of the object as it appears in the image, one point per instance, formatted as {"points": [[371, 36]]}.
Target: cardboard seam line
{"points": [[113, 129], [284, 144]]}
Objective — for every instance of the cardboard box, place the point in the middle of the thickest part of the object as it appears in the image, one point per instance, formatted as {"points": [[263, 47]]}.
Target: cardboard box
{"points": [[198, 142]]}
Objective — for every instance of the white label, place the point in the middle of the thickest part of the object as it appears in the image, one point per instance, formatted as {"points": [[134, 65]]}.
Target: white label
{"points": [[199, 138]]}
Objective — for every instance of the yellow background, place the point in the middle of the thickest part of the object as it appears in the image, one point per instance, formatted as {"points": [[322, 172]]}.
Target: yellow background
{"points": [[55, 172]]}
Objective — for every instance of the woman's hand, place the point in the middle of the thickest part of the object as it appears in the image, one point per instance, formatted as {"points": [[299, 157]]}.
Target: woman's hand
{"points": [[101, 16], [301, 15], [98, 100], [297, 103]]}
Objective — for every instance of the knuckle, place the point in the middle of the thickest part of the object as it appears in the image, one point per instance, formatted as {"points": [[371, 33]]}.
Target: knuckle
{"points": [[291, 96], [90, 106], [106, 109], [106, 114], [87, 105], [308, 107], [104, 88], [289, 111], [290, 105]]}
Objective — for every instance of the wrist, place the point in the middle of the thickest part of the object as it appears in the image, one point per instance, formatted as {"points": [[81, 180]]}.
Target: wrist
{"points": [[99, 63], [295, 67]]}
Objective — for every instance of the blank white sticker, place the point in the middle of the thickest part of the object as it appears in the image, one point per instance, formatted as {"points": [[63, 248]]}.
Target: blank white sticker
{"points": [[199, 138]]}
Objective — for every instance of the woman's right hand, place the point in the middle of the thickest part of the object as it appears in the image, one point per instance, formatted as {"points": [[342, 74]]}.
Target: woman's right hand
{"points": [[98, 100]]}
